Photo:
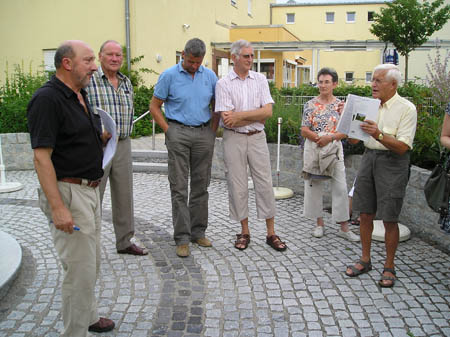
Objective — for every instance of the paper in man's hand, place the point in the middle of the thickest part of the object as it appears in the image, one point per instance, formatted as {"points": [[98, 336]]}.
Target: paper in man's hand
{"points": [[357, 109], [110, 126]]}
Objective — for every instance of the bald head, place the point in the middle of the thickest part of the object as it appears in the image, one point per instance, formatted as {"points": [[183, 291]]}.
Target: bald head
{"points": [[108, 42], [68, 49], [75, 63]]}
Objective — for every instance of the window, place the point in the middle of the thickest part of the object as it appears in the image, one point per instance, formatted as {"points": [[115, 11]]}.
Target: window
{"points": [[370, 16], [178, 57], [250, 7], [349, 76], [267, 68], [49, 59], [290, 18], [329, 18], [304, 76], [368, 76], [288, 74], [351, 17]]}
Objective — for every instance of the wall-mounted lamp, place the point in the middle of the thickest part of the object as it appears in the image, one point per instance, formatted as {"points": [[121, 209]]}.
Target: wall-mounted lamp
{"points": [[186, 26], [158, 58]]}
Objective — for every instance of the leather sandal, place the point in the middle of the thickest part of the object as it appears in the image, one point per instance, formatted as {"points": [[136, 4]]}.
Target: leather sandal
{"points": [[387, 278], [367, 266], [275, 242], [242, 241]]}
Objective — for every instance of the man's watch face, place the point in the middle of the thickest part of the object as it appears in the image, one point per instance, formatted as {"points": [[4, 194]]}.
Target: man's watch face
{"points": [[380, 136]]}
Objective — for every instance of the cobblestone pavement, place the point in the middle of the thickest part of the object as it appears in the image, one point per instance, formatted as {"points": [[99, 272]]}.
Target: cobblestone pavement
{"points": [[221, 291]]}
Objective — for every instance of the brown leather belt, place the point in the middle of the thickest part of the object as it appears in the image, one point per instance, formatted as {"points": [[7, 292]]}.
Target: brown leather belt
{"points": [[79, 181], [250, 133]]}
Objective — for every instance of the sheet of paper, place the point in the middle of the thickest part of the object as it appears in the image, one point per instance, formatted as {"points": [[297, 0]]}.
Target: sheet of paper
{"points": [[110, 126], [356, 110]]}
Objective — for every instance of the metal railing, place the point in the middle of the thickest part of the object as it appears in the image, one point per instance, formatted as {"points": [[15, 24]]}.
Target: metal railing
{"points": [[298, 101], [153, 126]]}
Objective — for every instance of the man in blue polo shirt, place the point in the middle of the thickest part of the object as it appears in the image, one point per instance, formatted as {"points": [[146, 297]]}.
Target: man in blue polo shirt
{"points": [[187, 91]]}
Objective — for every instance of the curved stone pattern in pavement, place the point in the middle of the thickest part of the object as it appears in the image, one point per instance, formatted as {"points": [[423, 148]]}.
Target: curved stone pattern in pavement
{"points": [[221, 291]]}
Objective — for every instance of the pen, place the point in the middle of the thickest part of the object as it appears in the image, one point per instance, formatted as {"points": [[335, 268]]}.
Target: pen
{"points": [[75, 228]]}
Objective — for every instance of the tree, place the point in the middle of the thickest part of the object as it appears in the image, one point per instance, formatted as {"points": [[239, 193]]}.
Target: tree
{"points": [[408, 24]]}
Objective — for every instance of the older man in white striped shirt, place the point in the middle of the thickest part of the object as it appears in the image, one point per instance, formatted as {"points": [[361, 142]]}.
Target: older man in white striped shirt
{"points": [[244, 102]]}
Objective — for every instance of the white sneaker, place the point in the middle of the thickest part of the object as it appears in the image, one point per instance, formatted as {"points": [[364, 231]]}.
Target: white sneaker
{"points": [[350, 236], [318, 232]]}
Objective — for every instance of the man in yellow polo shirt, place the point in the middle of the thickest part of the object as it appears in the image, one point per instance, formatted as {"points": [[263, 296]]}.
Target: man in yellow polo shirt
{"points": [[383, 175]]}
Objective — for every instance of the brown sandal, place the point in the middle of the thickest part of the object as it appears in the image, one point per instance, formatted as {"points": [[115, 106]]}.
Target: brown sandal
{"points": [[275, 242], [242, 240]]}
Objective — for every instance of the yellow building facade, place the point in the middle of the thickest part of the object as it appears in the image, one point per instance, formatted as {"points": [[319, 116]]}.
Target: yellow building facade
{"points": [[341, 32], [292, 41], [343, 23], [33, 29]]}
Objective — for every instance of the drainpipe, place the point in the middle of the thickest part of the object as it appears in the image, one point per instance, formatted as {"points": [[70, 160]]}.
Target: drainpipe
{"points": [[270, 14], [127, 32]]}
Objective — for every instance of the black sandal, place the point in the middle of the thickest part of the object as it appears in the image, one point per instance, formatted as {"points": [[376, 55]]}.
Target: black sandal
{"points": [[275, 242], [387, 278], [354, 222], [367, 266], [242, 240]]}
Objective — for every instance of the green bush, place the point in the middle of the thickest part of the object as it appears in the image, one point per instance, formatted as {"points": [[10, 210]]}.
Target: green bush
{"points": [[143, 127], [426, 149], [14, 97], [20, 86], [290, 124]]}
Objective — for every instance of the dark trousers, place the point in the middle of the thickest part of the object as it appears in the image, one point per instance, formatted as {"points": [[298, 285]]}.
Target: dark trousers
{"points": [[190, 152]]}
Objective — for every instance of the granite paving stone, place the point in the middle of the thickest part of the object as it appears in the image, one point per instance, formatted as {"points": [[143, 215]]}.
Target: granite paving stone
{"points": [[221, 291]]}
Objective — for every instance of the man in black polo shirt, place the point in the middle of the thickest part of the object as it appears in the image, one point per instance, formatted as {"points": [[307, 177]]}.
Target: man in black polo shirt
{"points": [[68, 149]]}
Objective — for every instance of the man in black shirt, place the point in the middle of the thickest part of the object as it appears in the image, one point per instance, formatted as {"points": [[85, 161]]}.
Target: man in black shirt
{"points": [[67, 141]]}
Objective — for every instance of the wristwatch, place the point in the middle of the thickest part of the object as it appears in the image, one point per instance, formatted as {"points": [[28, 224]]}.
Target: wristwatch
{"points": [[380, 136]]}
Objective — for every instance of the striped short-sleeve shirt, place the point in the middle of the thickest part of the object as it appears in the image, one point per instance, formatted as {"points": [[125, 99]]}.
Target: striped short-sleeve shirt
{"points": [[234, 93], [117, 102]]}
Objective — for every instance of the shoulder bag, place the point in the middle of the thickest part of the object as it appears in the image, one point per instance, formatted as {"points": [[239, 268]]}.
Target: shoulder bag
{"points": [[437, 187]]}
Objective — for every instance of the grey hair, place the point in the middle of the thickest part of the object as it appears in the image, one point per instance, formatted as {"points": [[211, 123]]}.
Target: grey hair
{"points": [[328, 71], [106, 42], [64, 50], [195, 47], [393, 73], [237, 46]]}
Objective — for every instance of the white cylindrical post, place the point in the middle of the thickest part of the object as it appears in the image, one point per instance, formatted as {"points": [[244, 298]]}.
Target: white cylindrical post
{"points": [[278, 150], [153, 133], [2, 174], [2, 167], [280, 192]]}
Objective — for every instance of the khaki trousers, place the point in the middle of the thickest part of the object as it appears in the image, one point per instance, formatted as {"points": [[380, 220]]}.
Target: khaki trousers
{"points": [[120, 174], [238, 151], [79, 253], [190, 152]]}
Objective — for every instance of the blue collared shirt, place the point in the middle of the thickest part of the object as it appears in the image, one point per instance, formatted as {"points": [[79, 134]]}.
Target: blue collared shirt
{"points": [[186, 98]]}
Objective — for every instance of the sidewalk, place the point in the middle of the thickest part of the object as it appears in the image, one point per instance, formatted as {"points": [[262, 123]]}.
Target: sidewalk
{"points": [[221, 291]]}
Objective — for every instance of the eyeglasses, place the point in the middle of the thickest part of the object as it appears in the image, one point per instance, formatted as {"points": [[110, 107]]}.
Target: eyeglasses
{"points": [[378, 81], [247, 56]]}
